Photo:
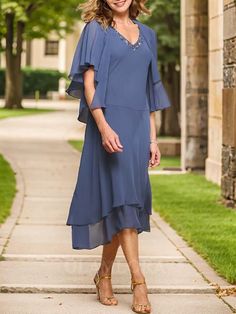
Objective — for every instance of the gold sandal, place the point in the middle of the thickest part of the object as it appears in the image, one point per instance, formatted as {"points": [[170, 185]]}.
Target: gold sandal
{"points": [[133, 307], [96, 280]]}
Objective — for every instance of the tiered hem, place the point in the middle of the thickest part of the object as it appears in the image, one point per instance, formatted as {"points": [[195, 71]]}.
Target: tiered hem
{"points": [[125, 216]]}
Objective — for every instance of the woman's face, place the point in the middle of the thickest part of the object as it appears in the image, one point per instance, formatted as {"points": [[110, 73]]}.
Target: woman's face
{"points": [[119, 6]]}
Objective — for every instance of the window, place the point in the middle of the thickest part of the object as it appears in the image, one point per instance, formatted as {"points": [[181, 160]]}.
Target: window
{"points": [[51, 47]]}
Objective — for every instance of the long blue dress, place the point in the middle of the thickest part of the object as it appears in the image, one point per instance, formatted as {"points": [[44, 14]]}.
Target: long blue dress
{"points": [[113, 190]]}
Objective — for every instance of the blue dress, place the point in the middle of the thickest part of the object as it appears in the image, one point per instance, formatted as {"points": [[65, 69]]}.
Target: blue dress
{"points": [[113, 190]]}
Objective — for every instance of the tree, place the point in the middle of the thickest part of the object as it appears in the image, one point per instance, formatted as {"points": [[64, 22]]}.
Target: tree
{"points": [[24, 20], [165, 20]]}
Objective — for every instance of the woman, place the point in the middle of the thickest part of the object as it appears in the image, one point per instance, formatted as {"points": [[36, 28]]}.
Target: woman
{"points": [[114, 74]]}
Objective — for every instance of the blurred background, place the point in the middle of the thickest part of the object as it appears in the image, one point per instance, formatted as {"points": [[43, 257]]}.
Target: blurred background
{"points": [[194, 188]]}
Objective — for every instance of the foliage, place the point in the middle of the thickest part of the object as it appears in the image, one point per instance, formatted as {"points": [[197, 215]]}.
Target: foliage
{"points": [[40, 16], [165, 20], [43, 80], [27, 19]]}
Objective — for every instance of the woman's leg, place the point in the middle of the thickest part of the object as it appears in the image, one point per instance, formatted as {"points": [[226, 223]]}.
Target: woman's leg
{"points": [[128, 239], [108, 257]]}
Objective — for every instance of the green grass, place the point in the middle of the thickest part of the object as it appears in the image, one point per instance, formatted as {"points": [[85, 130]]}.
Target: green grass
{"points": [[77, 144], [165, 137], [192, 206], [166, 161], [7, 188], [8, 113]]}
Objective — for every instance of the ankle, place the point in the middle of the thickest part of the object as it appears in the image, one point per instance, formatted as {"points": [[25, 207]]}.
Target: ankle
{"points": [[137, 276], [104, 272]]}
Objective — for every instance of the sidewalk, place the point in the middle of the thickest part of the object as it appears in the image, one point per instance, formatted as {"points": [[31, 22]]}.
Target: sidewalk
{"points": [[39, 271]]}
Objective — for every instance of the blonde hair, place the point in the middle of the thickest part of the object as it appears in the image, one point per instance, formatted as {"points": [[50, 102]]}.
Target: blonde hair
{"points": [[100, 10]]}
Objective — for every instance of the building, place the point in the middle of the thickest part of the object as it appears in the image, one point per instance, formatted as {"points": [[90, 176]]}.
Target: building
{"points": [[208, 93]]}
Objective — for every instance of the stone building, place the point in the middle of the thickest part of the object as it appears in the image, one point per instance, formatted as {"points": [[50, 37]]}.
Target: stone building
{"points": [[208, 92]]}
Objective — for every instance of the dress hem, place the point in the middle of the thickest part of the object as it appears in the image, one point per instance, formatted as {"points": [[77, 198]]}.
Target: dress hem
{"points": [[109, 241], [89, 236]]}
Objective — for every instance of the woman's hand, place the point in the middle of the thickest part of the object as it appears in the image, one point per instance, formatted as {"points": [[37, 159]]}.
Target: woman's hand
{"points": [[155, 155], [110, 139]]}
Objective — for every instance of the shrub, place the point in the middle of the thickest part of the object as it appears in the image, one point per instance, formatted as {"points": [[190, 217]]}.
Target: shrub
{"points": [[43, 80]]}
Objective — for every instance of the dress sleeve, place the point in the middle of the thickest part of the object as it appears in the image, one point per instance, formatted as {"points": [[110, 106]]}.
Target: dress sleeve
{"points": [[157, 97], [89, 51]]}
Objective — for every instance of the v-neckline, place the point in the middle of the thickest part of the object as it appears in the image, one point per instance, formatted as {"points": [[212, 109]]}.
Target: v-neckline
{"points": [[125, 39]]}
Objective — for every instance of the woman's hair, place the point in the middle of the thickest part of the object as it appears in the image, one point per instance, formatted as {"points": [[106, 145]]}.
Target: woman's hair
{"points": [[100, 10]]}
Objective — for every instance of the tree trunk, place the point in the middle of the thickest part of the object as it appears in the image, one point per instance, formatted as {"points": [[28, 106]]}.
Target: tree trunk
{"points": [[28, 52], [13, 88], [170, 125]]}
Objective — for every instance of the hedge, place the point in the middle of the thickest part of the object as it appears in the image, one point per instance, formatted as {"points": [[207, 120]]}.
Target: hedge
{"points": [[43, 80]]}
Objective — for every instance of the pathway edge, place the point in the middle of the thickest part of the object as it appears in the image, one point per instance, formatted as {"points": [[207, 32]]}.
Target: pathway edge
{"points": [[193, 257], [7, 227]]}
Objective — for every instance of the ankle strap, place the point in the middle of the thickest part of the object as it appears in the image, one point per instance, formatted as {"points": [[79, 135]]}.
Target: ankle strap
{"points": [[103, 277], [98, 277], [135, 283]]}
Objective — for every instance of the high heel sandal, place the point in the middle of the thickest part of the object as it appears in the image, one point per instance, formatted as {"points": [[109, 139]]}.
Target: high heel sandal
{"points": [[143, 306], [96, 280]]}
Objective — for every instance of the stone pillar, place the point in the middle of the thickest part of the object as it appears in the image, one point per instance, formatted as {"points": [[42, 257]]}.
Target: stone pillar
{"points": [[228, 180], [213, 162], [194, 108]]}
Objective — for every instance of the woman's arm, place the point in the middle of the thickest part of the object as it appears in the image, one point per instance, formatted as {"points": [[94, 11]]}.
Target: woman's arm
{"points": [[155, 154], [110, 139]]}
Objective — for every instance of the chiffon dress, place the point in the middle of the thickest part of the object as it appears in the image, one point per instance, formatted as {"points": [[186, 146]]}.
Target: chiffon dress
{"points": [[113, 190]]}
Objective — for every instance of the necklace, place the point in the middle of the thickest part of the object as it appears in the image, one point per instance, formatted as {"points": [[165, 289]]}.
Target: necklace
{"points": [[135, 45]]}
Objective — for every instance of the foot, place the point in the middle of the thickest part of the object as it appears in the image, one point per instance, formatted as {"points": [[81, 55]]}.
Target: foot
{"points": [[140, 298], [105, 290]]}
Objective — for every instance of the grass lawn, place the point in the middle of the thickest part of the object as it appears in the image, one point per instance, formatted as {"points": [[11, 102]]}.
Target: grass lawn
{"points": [[164, 137], [8, 113], [166, 161], [192, 206], [7, 188], [77, 144]]}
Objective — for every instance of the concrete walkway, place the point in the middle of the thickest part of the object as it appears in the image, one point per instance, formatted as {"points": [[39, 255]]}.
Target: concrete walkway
{"points": [[39, 271]]}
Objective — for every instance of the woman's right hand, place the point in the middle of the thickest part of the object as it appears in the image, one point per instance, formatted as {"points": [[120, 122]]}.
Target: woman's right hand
{"points": [[110, 139]]}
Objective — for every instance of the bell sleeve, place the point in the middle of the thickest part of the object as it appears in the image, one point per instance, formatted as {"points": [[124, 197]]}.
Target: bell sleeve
{"points": [[89, 51], [157, 98]]}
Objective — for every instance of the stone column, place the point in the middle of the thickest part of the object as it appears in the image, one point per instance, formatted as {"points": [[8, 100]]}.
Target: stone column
{"points": [[228, 180], [213, 162], [194, 82]]}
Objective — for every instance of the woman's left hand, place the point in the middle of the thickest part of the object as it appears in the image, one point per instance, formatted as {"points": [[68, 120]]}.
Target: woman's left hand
{"points": [[155, 155]]}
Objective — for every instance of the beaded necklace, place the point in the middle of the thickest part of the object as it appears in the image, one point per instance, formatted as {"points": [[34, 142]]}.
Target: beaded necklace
{"points": [[133, 46]]}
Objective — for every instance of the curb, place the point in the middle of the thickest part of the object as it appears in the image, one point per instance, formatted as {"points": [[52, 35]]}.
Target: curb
{"points": [[194, 258], [90, 289], [7, 227], [88, 258]]}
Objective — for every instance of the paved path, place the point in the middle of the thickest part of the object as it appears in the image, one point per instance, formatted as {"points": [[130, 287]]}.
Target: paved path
{"points": [[39, 271]]}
